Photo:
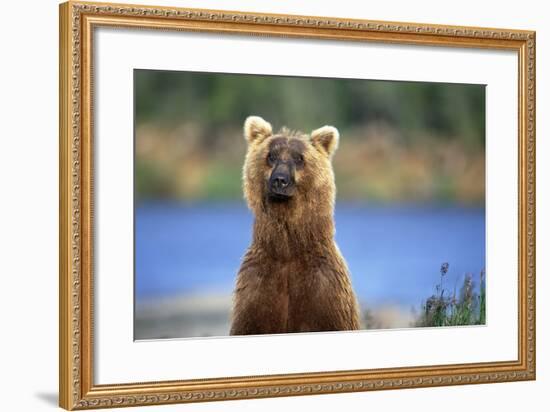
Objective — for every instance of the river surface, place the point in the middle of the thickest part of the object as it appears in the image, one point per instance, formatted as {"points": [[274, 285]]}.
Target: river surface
{"points": [[394, 253]]}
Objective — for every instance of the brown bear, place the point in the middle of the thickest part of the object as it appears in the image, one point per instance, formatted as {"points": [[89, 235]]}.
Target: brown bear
{"points": [[292, 277]]}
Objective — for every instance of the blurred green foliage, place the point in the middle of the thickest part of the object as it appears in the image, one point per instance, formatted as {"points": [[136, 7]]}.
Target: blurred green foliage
{"points": [[446, 110], [402, 141]]}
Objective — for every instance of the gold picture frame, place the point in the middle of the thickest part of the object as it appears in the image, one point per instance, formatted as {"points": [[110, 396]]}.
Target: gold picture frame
{"points": [[76, 385]]}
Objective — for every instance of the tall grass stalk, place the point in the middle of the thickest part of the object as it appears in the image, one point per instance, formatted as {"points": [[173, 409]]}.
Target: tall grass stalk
{"points": [[446, 309]]}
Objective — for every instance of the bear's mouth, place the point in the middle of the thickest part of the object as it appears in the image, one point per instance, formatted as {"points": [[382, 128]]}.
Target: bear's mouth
{"points": [[275, 197]]}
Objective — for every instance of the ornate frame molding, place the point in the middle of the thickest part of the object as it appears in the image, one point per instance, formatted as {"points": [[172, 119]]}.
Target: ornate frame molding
{"points": [[77, 21]]}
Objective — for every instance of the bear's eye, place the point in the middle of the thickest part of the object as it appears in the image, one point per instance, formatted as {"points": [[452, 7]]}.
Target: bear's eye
{"points": [[299, 160], [271, 157]]}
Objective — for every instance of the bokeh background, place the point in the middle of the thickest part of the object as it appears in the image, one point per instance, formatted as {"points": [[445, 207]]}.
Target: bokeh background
{"points": [[410, 178]]}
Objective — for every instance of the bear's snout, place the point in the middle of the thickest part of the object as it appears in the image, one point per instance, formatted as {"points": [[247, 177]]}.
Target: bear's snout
{"points": [[281, 182]]}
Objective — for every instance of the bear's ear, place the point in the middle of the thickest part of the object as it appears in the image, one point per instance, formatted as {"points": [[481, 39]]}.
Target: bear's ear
{"points": [[326, 139], [256, 129]]}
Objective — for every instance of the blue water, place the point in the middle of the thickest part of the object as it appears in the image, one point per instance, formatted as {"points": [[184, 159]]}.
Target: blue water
{"points": [[394, 253]]}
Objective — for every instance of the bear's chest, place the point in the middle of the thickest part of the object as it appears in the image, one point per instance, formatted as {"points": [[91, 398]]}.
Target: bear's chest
{"points": [[299, 291]]}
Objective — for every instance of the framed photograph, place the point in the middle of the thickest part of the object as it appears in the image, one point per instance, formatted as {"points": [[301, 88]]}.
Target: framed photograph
{"points": [[260, 205]]}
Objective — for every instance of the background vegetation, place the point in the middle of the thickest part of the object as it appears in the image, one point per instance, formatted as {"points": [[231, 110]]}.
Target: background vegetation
{"points": [[446, 307], [401, 141]]}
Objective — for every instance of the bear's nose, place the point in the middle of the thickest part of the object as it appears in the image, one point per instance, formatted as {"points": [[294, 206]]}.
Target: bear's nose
{"points": [[280, 182]]}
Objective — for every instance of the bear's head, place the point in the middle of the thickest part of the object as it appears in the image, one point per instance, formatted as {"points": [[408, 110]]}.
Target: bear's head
{"points": [[289, 172]]}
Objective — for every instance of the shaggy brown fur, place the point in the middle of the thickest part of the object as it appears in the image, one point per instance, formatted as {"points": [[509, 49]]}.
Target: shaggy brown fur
{"points": [[293, 277]]}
